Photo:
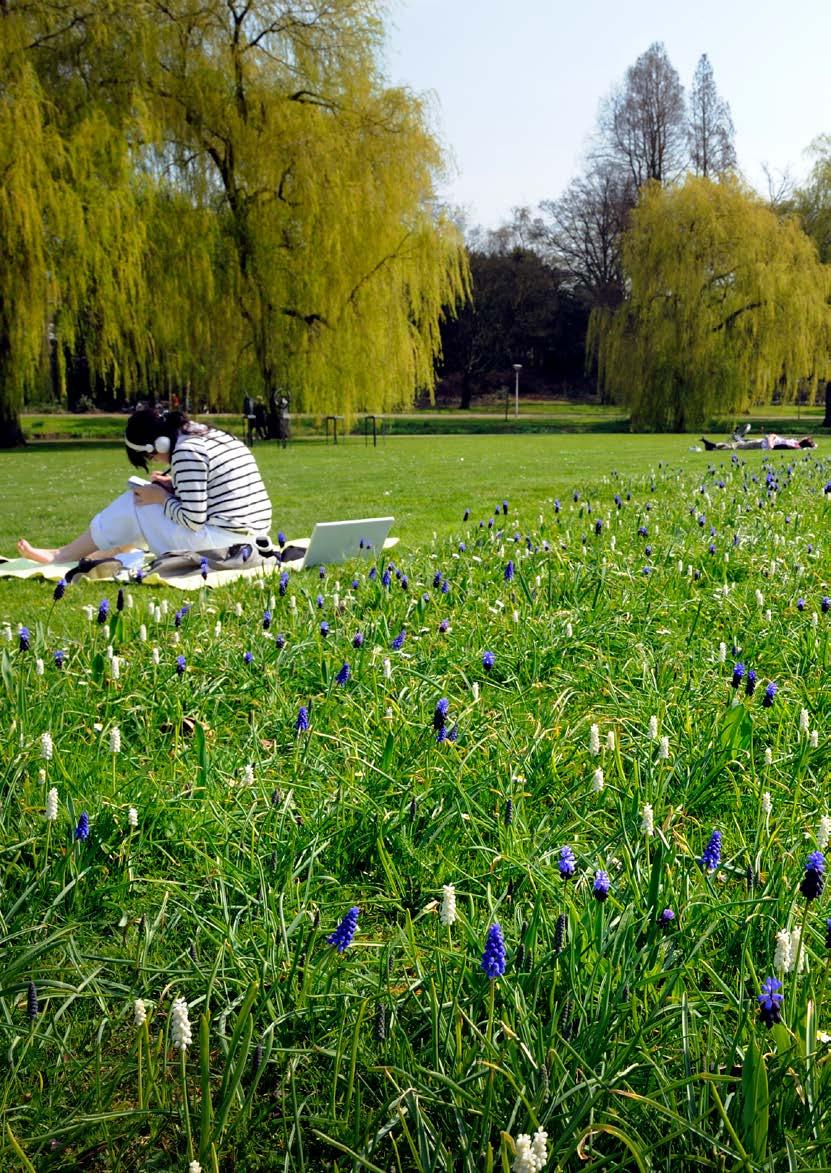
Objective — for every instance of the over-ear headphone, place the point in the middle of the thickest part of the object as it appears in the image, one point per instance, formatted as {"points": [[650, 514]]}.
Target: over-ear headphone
{"points": [[162, 446]]}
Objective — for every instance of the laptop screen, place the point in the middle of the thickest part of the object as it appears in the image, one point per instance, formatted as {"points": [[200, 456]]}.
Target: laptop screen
{"points": [[336, 541]]}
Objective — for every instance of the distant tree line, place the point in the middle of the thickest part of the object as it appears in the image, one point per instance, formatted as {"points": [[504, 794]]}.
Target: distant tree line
{"points": [[215, 198], [657, 276]]}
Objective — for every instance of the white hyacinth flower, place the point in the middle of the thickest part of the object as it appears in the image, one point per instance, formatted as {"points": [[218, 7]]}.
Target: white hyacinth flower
{"points": [[8, 634], [335, 600], [767, 804], [539, 1147], [180, 1026], [132, 817], [248, 774], [128, 599], [157, 614], [115, 668], [648, 820], [293, 603], [796, 937], [194, 1167], [139, 1012], [722, 652], [218, 629], [154, 655], [516, 616], [46, 747], [525, 1161], [238, 610], [387, 666], [42, 776], [782, 958], [474, 688], [447, 913], [610, 741], [824, 832], [768, 615], [39, 667], [90, 612], [760, 598], [653, 728], [175, 637], [814, 619], [164, 607], [804, 721], [143, 633], [813, 739], [115, 740], [52, 805], [598, 781], [680, 565], [772, 567], [768, 756], [594, 740], [110, 651], [663, 749], [569, 631]]}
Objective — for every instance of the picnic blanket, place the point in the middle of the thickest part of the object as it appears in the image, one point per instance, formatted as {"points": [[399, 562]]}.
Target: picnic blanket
{"points": [[126, 567]]}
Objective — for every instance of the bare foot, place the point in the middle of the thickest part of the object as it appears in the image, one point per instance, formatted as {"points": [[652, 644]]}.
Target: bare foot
{"points": [[35, 553]]}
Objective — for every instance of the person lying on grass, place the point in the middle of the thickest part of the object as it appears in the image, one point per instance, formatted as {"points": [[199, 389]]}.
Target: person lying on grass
{"points": [[769, 441], [212, 497]]}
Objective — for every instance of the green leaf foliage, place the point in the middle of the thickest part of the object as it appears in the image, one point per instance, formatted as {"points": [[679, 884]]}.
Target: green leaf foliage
{"points": [[727, 305]]}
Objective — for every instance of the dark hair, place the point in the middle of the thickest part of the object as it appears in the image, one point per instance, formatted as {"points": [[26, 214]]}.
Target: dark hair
{"points": [[146, 425]]}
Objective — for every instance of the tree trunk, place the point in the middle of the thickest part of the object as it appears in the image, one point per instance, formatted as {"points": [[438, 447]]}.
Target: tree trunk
{"points": [[467, 392], [11, 433], [826, 423]]}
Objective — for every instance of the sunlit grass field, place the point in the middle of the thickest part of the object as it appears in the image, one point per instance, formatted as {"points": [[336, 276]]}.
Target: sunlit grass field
{"points": [[597, 707]]}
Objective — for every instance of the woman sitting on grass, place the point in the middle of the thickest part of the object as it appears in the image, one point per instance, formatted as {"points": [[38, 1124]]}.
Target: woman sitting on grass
{"points": [[212, 498]]}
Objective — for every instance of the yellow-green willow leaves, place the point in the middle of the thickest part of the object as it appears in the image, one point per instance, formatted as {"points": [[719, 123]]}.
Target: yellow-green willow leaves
{"points": [[727, 304], [219, 196]]}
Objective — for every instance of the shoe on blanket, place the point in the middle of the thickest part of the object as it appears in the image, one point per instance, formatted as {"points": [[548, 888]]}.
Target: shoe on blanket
{"points": [[95, 568]]}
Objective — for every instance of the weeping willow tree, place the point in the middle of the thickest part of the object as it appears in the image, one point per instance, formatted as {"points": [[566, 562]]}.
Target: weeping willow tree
{"points": [[322, 182], [726, 304], [73, 242], [218, 195]]}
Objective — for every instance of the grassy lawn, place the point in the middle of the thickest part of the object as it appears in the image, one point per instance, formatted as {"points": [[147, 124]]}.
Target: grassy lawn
{"points": [[234, 825]]}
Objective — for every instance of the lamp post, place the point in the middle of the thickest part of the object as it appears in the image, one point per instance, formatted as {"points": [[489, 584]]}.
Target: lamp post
{"points": [[517, 369]]}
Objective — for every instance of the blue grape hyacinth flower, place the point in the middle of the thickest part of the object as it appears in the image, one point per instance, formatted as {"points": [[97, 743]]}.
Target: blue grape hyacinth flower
{"points": [[509, 571], [343, 935], [248, 657], [279, 641], [60, 590], [711, 856], [60, 656], [23, 639], [770, 1001], [601, 885], [567, 864], [284, 582], [358, 639], [103, 610], [488, 661], [770, 693], [494, 957], [82, 830], [302, 722], [738, 675], [440, 713], [344, 674], [750, 683], [181, 664], [398, 642], [813, 881]]}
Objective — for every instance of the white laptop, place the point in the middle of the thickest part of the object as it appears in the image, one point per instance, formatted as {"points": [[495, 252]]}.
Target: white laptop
{"points": [[336, 541]]}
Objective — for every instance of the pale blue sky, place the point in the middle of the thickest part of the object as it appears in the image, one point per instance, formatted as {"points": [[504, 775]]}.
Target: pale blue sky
{"points": [[516, 85]]}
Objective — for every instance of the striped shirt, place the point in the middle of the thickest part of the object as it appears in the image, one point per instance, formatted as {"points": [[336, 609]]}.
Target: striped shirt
{"points": [[216, 482]]}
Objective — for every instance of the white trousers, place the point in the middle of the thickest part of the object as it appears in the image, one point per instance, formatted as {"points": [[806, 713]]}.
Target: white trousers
{"points": [[124, 523]]}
